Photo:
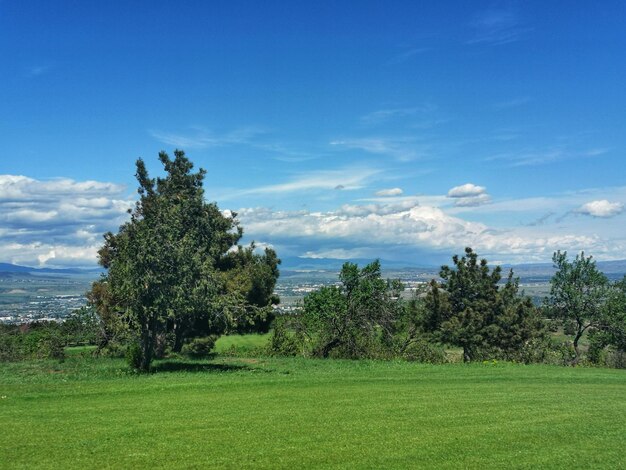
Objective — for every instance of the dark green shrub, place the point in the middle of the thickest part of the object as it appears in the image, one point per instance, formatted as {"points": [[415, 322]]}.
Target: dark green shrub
{"points": [[616, 359], [112, 349], [133, 356], [9, 350], [424, 351], [200, 347], [38, 340], [282, 341]]}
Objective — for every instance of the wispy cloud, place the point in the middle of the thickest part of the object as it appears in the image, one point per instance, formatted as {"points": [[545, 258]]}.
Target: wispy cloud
{"points": [[37, 70], [384, 115], [497, 26], [388, 192], [329, 180], [544, 157], [407, 55], [512, 103], [202, 138], [541, 220], [403, 149]]}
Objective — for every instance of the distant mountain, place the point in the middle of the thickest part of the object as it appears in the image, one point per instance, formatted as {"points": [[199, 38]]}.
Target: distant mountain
{"points": [[613, 269], [16, 269], [333, 264]]}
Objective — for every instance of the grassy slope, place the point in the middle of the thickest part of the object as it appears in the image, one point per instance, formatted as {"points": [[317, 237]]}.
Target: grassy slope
{"points": [[294, 413]]}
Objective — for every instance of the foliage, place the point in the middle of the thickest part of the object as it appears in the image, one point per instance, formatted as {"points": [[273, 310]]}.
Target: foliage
{"points": [[200, 347], [422, 350], [471, 310], [352, 320], [283, 342], [579, 293], [134, 356], [253, 277], [169, 270], [608, 338], [37, 340], [81, 327]]}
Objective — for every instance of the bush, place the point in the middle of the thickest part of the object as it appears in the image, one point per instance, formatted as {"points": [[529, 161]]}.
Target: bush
{"points": [[112, 349], [200, 347], [616, 359], [133, 356], [39, 340], [282, 343], [424, 351]]}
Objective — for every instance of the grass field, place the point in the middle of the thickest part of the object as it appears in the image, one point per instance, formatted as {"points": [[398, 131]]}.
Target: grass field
{"points": [[304, 413]]}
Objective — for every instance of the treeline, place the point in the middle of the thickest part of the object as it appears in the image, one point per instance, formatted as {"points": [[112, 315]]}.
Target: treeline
{"points": [[177, 278], [48, 339], [471, 308]]}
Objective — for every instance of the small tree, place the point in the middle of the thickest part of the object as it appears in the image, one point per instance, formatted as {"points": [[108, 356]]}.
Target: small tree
{"points": [[469, 309], [611, 328], [351, 319], [578, 295]]}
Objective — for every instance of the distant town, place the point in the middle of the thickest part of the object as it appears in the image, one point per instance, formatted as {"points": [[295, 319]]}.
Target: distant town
{"points": [[28, 295]]}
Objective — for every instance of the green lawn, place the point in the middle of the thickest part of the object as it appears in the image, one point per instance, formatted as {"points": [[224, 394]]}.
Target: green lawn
{"points": [[297, 413], [241, 344]]}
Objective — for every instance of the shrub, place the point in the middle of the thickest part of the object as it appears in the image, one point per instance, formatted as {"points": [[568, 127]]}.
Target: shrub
{"points": [[200, 347], [282, 343], [616, 359], [133, 356], [39, 340], [424, 351]]}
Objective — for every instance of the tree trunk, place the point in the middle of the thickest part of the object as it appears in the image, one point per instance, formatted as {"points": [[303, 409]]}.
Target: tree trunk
{"points": [[178, 338], [467, 355], [147, 345], [574, 362], [328, 347]]}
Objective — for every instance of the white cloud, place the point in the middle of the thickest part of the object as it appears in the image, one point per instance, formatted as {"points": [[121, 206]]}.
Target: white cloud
{"points": [[388, 192], [57, 222], [469, 195], [410, 228], [467, 190], [344, 179], [428, 228], [601, 208], [19, 188], [472, 201]]}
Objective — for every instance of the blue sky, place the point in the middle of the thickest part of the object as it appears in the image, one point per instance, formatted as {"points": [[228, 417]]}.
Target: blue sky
{"points": [[399, 130]]}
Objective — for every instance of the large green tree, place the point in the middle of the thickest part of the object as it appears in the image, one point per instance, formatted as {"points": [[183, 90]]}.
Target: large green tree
{"points": [[578, 296], [167, 267], [470, 308]]}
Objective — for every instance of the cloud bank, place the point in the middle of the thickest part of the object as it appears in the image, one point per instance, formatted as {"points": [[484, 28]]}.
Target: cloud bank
{"points": [[57, 222]]}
